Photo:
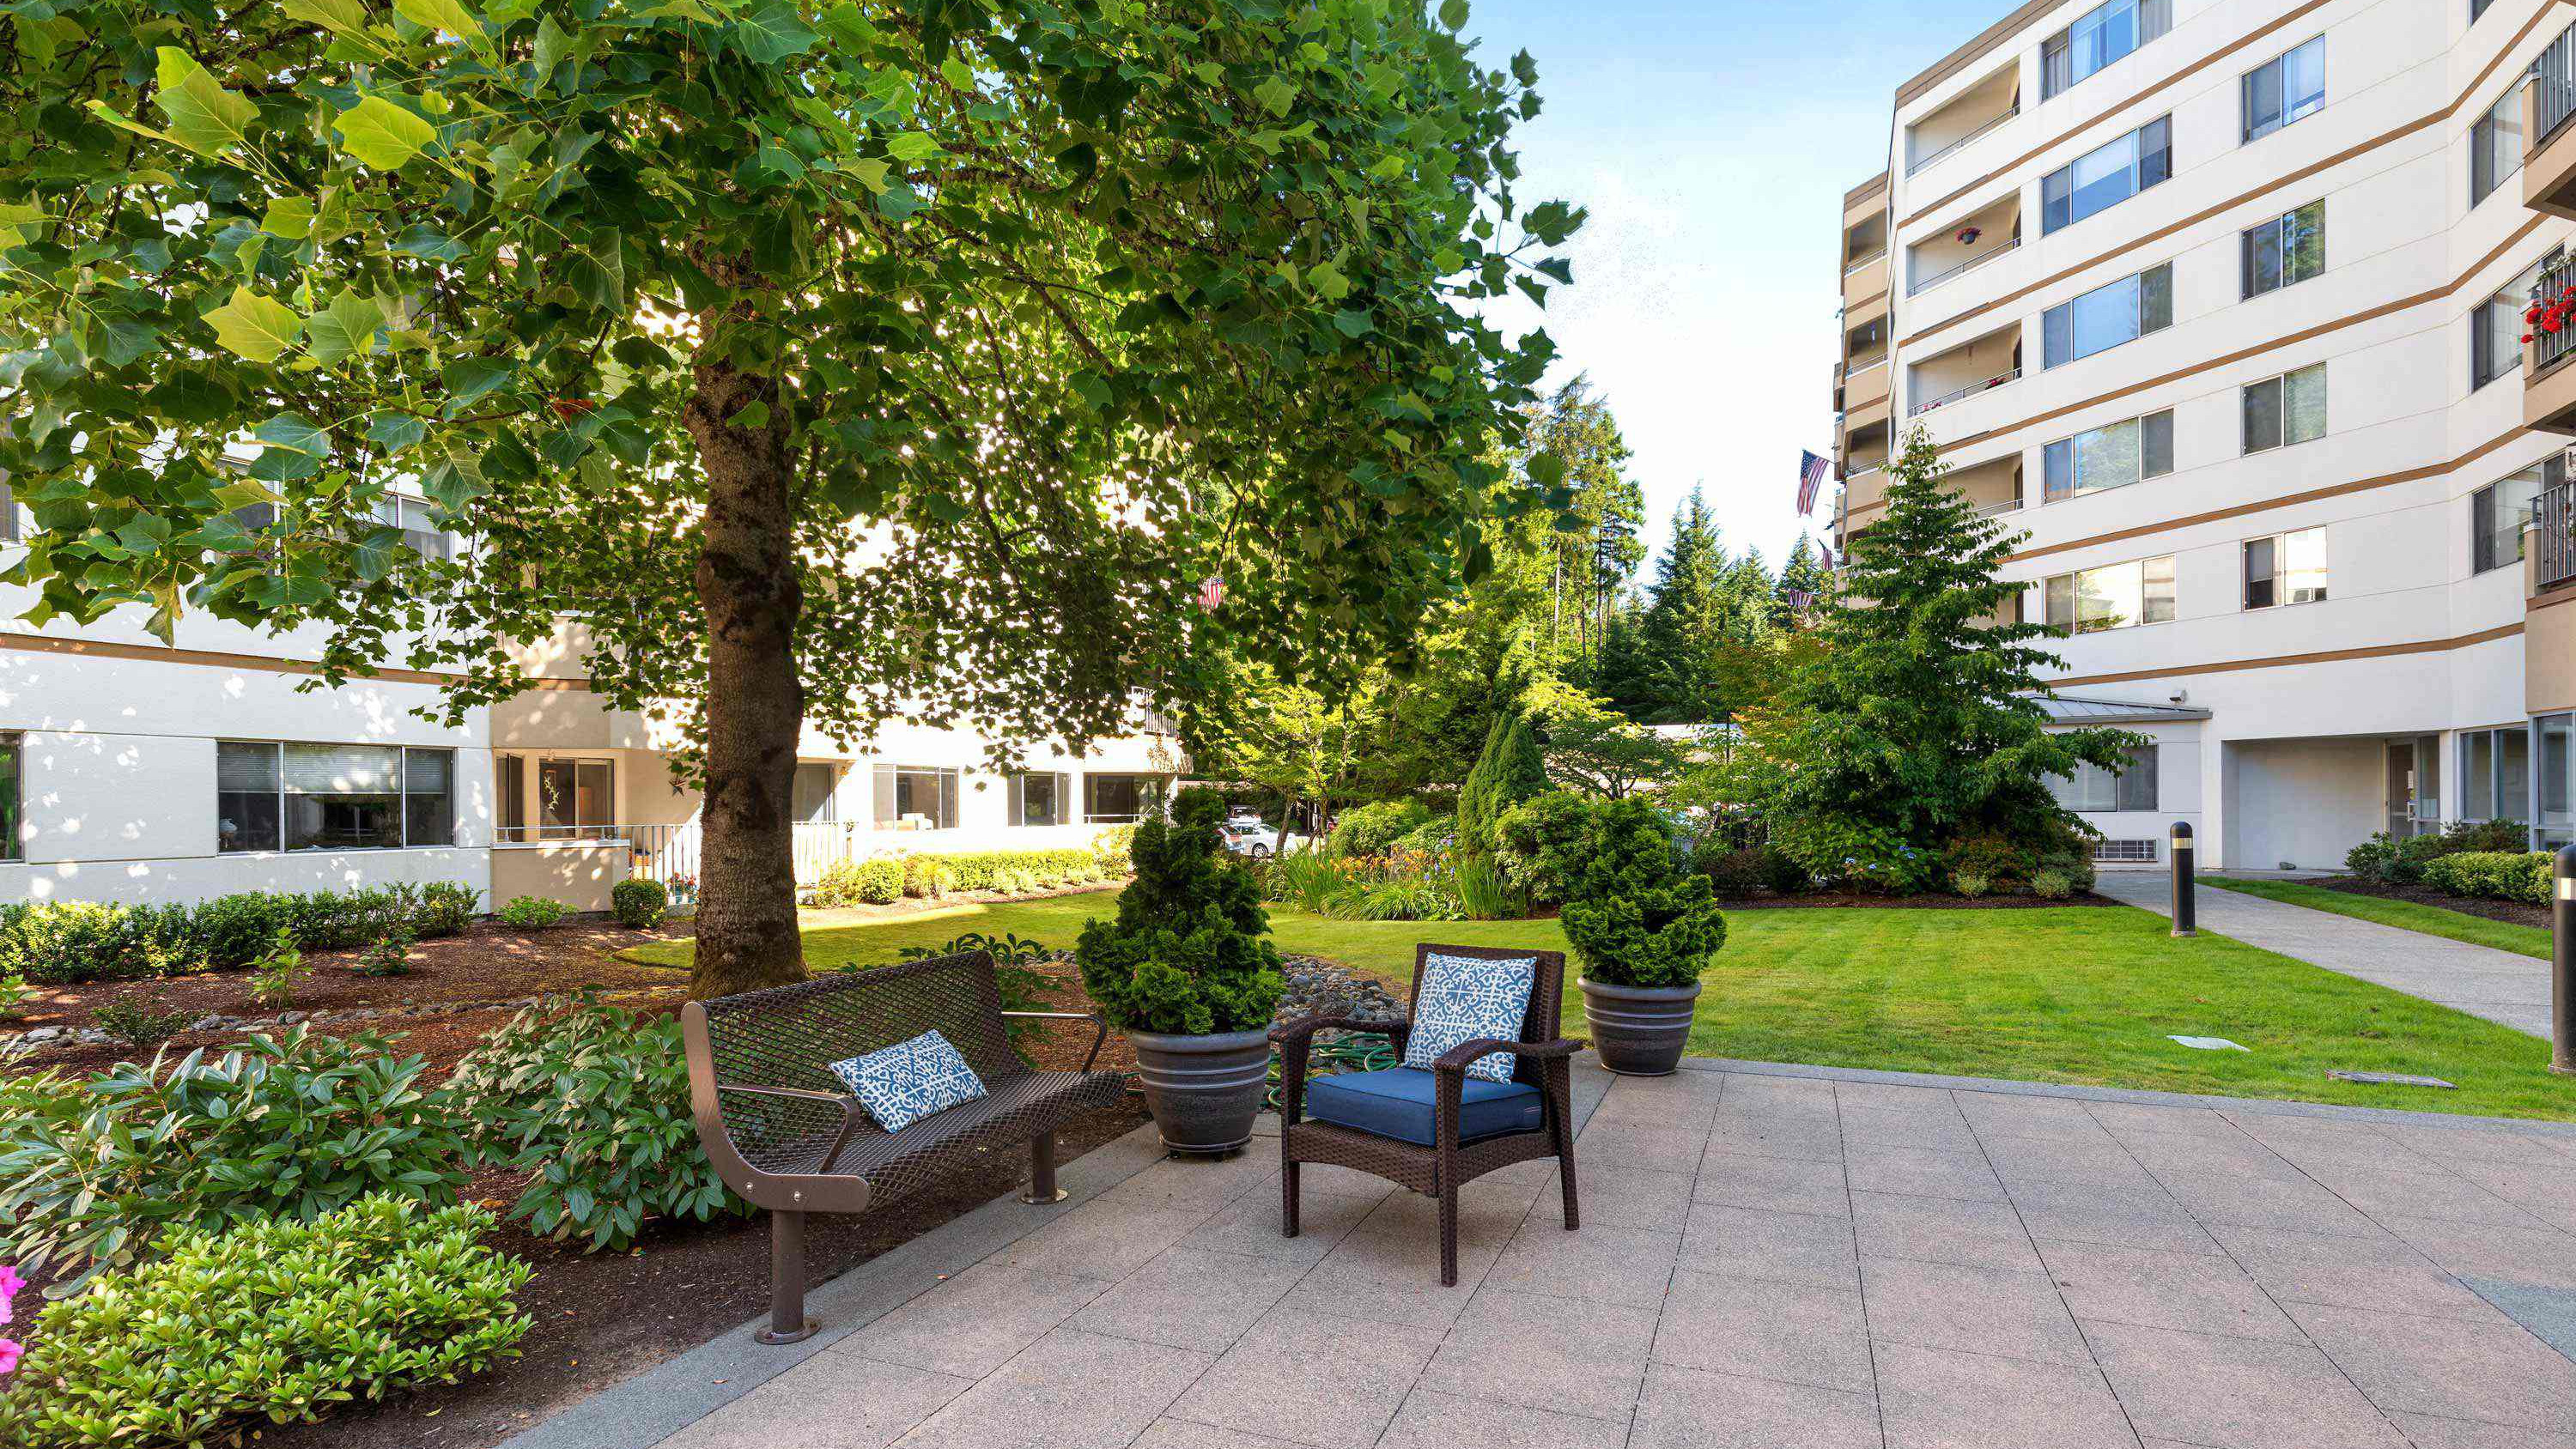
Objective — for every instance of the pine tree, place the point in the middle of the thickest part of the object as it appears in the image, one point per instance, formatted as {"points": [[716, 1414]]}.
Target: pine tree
{"points": [[1916, 722], [1803, 574]]}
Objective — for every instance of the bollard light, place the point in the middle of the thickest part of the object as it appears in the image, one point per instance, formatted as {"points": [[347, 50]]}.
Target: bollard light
{"points": [[2562, 962], [2184, 922]]}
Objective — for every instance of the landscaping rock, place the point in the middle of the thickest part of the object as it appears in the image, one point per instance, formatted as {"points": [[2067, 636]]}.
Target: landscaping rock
{"points": [[1320, 988]]}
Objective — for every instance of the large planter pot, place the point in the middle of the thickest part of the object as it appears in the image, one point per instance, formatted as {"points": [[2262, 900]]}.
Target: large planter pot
{"points": [[1204, 1091], [1639, 1031]]}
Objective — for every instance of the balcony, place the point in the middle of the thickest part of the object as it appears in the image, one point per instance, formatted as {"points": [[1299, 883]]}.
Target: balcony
{"points": [[2548, 379], [1976, 113], [1865, 388], [1953, 253], [2549, 145], [2552, 544], [1977, 366], [1992, 488]]}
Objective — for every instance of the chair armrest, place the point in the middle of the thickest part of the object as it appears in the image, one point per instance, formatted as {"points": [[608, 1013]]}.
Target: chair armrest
{"points": [[1459, 1057], [852, 1114], [1095, 1018], [1295, 1037]]}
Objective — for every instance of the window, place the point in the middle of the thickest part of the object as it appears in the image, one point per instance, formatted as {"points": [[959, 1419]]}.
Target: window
{"points": [[2108, 457], [2557, 752], [2495, 146], [2287, 409], [510, 782], [1116, 799], [2478, 8], [2093, 788], [2102, 36], [2289, 248], [2285, 89], [420, 533], [915, 797], [332, 797], [2107, 176], [1042, 797], [2112, 597], [813, 803], [2495, 328], [2107, 316], [2495, 773], [2288, 568], [8, 513], [12, 792], [2498, 512], [576, 799]]}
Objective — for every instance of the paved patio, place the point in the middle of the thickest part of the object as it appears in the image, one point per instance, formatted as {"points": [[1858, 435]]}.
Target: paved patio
{"points": [[1769, 1257], [2501, 986]]}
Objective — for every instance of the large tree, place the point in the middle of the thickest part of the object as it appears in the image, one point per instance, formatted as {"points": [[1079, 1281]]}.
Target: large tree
{"points": [[1911, 718], [1703, 610], [834, 361]]}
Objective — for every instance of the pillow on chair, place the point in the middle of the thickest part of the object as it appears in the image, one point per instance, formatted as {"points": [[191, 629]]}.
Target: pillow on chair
{"points": [[1466, 997], [903, 1083]]}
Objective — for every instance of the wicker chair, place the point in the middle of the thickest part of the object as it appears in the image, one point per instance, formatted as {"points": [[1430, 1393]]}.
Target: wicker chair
{"points": [[788, 1136], [1436, 1168]]}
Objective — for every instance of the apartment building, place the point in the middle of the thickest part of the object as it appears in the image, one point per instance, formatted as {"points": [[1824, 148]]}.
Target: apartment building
{"points": [[2218, 305], [134, 771]]}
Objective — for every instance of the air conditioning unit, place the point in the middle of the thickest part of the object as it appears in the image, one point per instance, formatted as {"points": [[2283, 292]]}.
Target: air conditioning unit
{"points": [[2125, 852]]}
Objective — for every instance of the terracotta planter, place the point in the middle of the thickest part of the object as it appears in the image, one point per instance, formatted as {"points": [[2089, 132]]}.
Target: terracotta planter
{"points": [[1204, 1091], [1638, 1031]]}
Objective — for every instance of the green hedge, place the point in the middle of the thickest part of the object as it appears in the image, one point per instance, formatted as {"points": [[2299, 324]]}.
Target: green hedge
{"points": [[2501, 875], [273, 1322], [884, 879], [59, 943]]}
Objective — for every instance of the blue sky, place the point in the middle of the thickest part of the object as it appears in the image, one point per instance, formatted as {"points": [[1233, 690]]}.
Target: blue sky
{"points": [[1712, 143]]}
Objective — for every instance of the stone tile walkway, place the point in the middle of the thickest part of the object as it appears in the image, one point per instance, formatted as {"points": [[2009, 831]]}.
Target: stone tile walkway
{"points": [[2501, 986], [1770, 1257]]}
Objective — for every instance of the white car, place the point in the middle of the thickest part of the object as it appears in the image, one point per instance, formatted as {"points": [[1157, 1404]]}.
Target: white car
{"points": [[1247, 836]]}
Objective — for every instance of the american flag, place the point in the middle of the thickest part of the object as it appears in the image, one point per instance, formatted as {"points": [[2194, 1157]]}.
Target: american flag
{"points": [[1811, 476], [1212, 593], [1798, 598]]}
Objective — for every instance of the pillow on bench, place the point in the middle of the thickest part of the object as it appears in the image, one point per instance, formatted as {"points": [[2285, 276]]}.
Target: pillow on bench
{"points": [[903, 1083]]}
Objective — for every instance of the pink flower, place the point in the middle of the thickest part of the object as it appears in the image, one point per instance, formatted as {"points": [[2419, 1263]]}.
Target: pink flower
{"points": [[10, 1283], [9, 1352]]}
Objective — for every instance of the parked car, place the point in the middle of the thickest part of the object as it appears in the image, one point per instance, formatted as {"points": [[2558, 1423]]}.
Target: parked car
{"points": [[1247, 836]]}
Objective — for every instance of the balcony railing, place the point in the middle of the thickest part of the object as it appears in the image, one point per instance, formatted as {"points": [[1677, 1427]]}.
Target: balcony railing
{"points": [[1971, 390], [1856, 263], [2553, 88], [1926, 284], [2548, 347], [1998, 508], [2553, 535], [1912, 167]]}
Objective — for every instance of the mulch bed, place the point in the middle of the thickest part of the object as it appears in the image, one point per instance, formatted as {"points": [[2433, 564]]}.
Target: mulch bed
{"points": [[1855, 900], [2517, 912]]}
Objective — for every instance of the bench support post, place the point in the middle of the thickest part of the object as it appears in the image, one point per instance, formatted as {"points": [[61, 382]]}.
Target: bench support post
{"points": [[1042, 1189], [787, 1321]]}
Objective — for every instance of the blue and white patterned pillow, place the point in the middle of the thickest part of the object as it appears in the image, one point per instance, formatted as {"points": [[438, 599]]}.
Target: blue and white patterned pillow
{"points": [[1466, 997], [903, 1083]]}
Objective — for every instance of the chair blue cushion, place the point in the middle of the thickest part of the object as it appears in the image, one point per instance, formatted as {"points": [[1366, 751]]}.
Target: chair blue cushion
{"points": [[903, 1083], [1396, 1103], [1464, 998]]}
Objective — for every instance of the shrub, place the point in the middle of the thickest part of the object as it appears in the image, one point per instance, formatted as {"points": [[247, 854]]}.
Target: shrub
{"points": [[1015, 958], [343, 920], [237, 930], [2374, 859], [1970, 884], [14, 993], [2517, 875], [139, 1025], [981, 870], [1189, 952], [1483, 894], [1991, 857], [65, 943], [1568, 847], [443, 908], [2052, 885], [927, 876], [93, 1169], [640, 904], [1535, 842], [876, 882], [1109, 850], [595, 1102], [1436, 836], [389, 955], [267, 1324], [533, 913], [1307, 879], [1734, 875], [1845, 851], [279, 971], [1662, 935], [1509, 771], [1374, 829]]}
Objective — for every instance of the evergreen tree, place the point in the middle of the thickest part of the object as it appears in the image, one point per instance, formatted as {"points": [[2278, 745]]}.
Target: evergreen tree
{"points": [[1915, 722], [1703, 611], [1190, 951], [1804, 573], [1510, 770]]}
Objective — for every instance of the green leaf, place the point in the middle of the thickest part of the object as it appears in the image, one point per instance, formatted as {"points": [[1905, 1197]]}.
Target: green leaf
{"points": [[599, 273], [255, 327], [294, 448], [396, 432], [1328, 281], [340, 17], [1354, 322], [470, 378], [203, 116], [912, 146], [1453, 14], [19, 223], [290, 217], [383, 135], [346, 328], [1276, 95], [554, 43], [447, 15], [772, 33], [753, 414]]}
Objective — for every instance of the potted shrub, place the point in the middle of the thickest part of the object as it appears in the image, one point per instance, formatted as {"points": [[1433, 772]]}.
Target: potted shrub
{"points": [[1188, 972], [1642, 952]]}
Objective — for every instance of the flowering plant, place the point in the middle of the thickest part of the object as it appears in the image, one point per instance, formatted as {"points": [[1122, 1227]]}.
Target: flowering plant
{"points": [[10, 1349], [2549, 314]]}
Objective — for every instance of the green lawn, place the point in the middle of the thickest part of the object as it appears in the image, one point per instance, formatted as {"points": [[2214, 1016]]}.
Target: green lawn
{"points": [[2410, 915], [2079, 994]]}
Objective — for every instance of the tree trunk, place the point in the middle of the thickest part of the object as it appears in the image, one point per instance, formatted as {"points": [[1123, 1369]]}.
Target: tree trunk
{"points": [[755, 704]]}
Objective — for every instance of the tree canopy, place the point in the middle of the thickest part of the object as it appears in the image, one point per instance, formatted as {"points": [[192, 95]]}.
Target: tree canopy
{"points": [[845, 361]]}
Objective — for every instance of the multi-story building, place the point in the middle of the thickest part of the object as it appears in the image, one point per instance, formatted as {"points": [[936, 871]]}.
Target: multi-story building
{"points": [[2218, 303], [134, 771]]}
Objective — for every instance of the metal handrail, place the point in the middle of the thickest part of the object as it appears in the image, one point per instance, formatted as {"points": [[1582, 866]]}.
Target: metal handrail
{"points": [[2553, 88], [2553, 535], [1858, 263], [1911, 167], [1971, 390], [2547, 348], [1970, 265], [1998, 508]]}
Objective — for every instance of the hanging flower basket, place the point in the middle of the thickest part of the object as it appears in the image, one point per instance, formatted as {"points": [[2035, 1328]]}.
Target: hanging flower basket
{"points": [[1968, 236]]}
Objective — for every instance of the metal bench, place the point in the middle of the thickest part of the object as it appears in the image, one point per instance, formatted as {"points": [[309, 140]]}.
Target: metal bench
{"points": [[787, 1136]]}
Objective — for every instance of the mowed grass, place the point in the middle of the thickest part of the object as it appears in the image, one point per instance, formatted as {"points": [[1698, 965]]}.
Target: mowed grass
{"points": [[2080, 994], [2407, 915]]}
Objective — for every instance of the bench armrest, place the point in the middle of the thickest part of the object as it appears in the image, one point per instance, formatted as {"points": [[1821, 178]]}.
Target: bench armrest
{"points": [[852, 1114], [1095, 1018]]}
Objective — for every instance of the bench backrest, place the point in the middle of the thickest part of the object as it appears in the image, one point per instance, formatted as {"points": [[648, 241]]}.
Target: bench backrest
{"points": [[788, 1036]]}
